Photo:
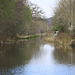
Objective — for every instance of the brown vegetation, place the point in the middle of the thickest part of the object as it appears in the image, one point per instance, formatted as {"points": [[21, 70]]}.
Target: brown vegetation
{"points": [[64, 18], [62, 39]]}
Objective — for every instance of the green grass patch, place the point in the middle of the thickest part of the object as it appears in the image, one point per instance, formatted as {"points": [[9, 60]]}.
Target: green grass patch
{"points": [[29, 37], [32, 37]]}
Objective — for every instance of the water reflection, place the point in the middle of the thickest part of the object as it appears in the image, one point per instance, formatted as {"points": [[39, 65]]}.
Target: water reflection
{"points": [[44, 56], [34, 57], [45, 62], [66, 56], [42, 62], [13, 57]]}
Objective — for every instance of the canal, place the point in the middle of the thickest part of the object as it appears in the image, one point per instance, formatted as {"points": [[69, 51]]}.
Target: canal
{"points": [[35, 57]]}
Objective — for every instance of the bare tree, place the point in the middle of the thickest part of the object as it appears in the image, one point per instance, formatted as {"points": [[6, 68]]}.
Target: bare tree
{"points": [[36, 10], [64, 15]]}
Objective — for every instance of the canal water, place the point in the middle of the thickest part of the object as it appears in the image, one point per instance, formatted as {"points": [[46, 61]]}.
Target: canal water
{"points": [[35, 57]]}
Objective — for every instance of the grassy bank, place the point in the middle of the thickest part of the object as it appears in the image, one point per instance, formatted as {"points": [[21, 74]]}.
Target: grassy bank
{"points": [[31, 36], [28, 37], [62, 39]]}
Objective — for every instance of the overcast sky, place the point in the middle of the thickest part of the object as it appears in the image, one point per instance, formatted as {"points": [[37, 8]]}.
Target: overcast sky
{"points": [[47, 6]]}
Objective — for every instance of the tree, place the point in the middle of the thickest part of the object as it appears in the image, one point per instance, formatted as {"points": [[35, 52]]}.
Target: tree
{"points": [[22, 15], [36, 11], [64, 14], [6, 15], [14, 15]]}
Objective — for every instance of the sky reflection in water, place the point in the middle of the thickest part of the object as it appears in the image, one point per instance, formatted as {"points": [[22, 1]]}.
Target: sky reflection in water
{"points": [[30, 58], [43, 63]]}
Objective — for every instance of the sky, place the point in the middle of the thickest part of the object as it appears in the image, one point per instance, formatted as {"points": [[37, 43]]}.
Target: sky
{"points": [[47, 6]]}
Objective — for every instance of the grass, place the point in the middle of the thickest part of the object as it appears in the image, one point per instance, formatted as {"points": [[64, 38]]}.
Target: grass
{"points": [[29, 37], [62, 39], [32, 37]]}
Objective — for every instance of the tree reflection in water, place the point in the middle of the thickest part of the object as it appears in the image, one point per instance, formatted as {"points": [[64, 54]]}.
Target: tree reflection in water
{"points": [[34, 57], [65, 55]]}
